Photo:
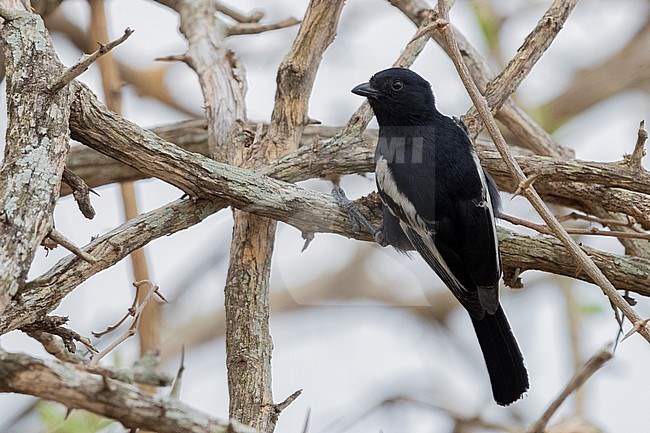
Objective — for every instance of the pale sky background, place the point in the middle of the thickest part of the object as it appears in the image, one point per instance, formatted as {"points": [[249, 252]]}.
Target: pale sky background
{"points": [[349, 357]]}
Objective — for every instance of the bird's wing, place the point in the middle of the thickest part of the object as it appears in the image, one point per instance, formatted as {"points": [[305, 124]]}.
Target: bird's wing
{"points": [[477, 243], [431, 239], [481, 246], [446, 264]]}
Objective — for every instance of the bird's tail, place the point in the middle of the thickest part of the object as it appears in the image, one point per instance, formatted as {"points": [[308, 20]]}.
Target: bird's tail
{"points": [[503, 358]]}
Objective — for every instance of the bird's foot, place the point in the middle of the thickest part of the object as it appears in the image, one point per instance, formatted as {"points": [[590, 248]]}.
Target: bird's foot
{"points": [[356, 217], [380, 238]]}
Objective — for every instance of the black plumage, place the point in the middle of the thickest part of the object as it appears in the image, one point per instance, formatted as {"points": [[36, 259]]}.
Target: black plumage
{"points": [[438, 199]]}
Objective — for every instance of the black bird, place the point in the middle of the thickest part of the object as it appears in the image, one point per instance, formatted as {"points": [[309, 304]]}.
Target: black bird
{"points": [[438, 199]]}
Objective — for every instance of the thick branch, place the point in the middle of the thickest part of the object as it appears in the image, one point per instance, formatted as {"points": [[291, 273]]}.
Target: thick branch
{"points": [[36, 146], [321, 157], [518, 252], [78, 389], [221, 74], [248, 339]]}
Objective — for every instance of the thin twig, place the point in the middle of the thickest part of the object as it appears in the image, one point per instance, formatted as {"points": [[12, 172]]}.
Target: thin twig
{"points": [[254, 17], [590, 367], [582, 259], [70, 246], [589, 232], [256, 28], [134, 323], [82, 65], [363, 115], [631, 223]]}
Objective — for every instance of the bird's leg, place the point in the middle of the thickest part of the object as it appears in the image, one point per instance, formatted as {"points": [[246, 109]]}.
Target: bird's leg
{"points": [[355, 216]]}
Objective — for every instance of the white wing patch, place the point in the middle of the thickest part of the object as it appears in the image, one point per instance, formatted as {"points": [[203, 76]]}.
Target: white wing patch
{"points": [[415, 228], [387, 184]]}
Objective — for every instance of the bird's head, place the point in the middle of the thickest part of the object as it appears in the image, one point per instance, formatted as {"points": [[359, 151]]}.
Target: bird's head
{"points": [[399, 97]]}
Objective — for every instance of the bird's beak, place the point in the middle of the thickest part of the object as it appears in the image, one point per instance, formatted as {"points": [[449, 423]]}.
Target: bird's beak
{"points": [[366, 89]]}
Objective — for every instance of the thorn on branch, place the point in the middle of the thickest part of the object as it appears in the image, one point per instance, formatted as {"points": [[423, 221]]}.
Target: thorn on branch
{"points": [[80, 192], [84, 63], [256, 28], [108, 386], [512, 278], [638, 325], [308, 237], [525, 185], [279, 407], [173, 58], [66, 243], [633, 161], [178, 381]]}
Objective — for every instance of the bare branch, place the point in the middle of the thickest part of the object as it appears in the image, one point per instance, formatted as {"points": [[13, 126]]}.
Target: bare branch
{"points": [[134, 323], [82, 65], [36, 147], [589, 232], [591, 366], [66, 243], [44, 293], [255, 17], [78, 389], [247, 282], [256, 28]]}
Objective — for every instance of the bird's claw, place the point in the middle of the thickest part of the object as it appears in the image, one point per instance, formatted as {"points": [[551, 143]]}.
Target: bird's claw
{"points": [[355, 216], [380, 238], [348, 205]]}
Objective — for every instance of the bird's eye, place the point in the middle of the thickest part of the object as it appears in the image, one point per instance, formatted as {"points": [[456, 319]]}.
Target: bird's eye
{"points": [[397, 85]]}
